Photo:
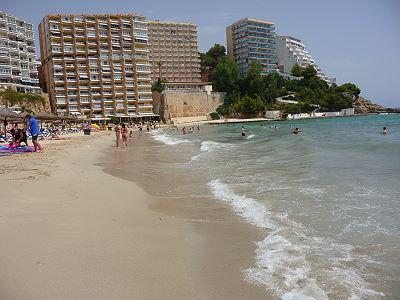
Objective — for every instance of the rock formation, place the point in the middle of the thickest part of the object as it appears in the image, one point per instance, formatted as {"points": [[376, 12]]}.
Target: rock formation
{"points": [[364, 106]]}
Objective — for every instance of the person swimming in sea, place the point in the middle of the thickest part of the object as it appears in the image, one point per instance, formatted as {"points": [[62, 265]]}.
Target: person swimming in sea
{"points": [[296, 131], [384, 131], [242, 132]]}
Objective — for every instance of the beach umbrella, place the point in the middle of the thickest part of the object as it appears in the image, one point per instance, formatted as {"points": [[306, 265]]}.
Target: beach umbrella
{"points": [[45, 116]]}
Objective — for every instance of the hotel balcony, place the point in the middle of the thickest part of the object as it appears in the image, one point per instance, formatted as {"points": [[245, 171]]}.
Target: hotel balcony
{"points": [[145, 99]]}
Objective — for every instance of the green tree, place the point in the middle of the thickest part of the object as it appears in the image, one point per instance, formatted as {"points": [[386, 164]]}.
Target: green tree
{"points": [[309, 72], [253, 83], [297, 70], [213, 56], [248, 106], [11, 97], [350, 88], [210, 59], [158, 86], [226, 76]]}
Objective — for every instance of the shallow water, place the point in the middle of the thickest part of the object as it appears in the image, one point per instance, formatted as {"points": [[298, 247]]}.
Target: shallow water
{"points": [[327, 200]]}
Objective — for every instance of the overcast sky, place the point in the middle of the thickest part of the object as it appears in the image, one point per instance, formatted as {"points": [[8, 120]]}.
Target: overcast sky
{"points": [[353, 40]]}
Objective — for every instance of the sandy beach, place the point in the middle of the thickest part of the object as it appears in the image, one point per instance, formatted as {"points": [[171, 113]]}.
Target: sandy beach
{"points": [[71, 231]]}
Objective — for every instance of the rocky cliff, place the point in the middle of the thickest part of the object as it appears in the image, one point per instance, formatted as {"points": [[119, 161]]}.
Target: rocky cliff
{"points": [[364, 106], [36, 106]]}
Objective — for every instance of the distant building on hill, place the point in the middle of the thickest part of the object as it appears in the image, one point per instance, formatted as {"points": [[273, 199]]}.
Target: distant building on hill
{"points": [[173, 52], [251, 40], [18, 69], [291, 51]]}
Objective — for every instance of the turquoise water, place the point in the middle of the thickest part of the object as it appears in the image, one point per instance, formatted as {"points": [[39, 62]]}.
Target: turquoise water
{"points": [[328, 199]]}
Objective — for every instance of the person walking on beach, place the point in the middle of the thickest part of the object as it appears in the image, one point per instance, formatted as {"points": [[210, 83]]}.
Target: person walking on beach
{"points": [[34, 129], [124, 132], [117, 130]]}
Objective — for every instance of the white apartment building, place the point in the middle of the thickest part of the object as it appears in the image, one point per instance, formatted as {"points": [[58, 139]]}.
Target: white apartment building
{"points": [[291, 51], [18, 66]]}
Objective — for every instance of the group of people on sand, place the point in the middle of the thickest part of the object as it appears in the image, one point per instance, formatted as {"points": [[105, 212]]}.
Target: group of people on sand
{"points": [[19, 135], [123, 132]]}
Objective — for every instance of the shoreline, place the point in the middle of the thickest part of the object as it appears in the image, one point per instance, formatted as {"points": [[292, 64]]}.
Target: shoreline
{"points": [[220, 257], [74, 231], [254, 120]]}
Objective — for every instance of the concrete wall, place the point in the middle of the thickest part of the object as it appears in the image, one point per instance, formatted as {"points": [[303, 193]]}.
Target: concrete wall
{"points": [[272, 114], [182, 105]]}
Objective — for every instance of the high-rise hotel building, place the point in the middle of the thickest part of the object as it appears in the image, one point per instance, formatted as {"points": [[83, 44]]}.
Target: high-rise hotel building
{"points": [[97, 65], [251, 40], [18, 68], [174, 52]]}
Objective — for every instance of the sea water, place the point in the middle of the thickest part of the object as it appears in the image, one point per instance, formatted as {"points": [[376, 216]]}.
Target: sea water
{"points": [[328, 199]]}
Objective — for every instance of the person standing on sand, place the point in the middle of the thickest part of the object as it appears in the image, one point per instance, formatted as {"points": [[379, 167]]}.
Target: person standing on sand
{"points": [[34, 129], [124, 132], [117, 130]]}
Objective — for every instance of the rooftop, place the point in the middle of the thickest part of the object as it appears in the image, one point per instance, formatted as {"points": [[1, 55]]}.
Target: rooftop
{"points": [[253, 20]]}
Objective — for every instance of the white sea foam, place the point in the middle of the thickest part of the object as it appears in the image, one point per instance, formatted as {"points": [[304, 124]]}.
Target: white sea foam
{"points": [[208, 146], [251, 136], [254, 212], [158, 135], [282, 257]]}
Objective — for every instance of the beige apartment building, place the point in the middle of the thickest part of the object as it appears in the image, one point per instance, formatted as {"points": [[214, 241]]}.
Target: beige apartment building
{"points": [[96, 65], [174, 52]]}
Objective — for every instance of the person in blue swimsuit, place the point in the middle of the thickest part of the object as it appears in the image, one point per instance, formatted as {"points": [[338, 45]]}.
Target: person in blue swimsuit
{"points": [[34, 129]]}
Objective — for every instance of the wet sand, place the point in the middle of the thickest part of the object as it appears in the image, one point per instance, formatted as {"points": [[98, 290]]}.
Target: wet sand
{"points": [[71, 231]]}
